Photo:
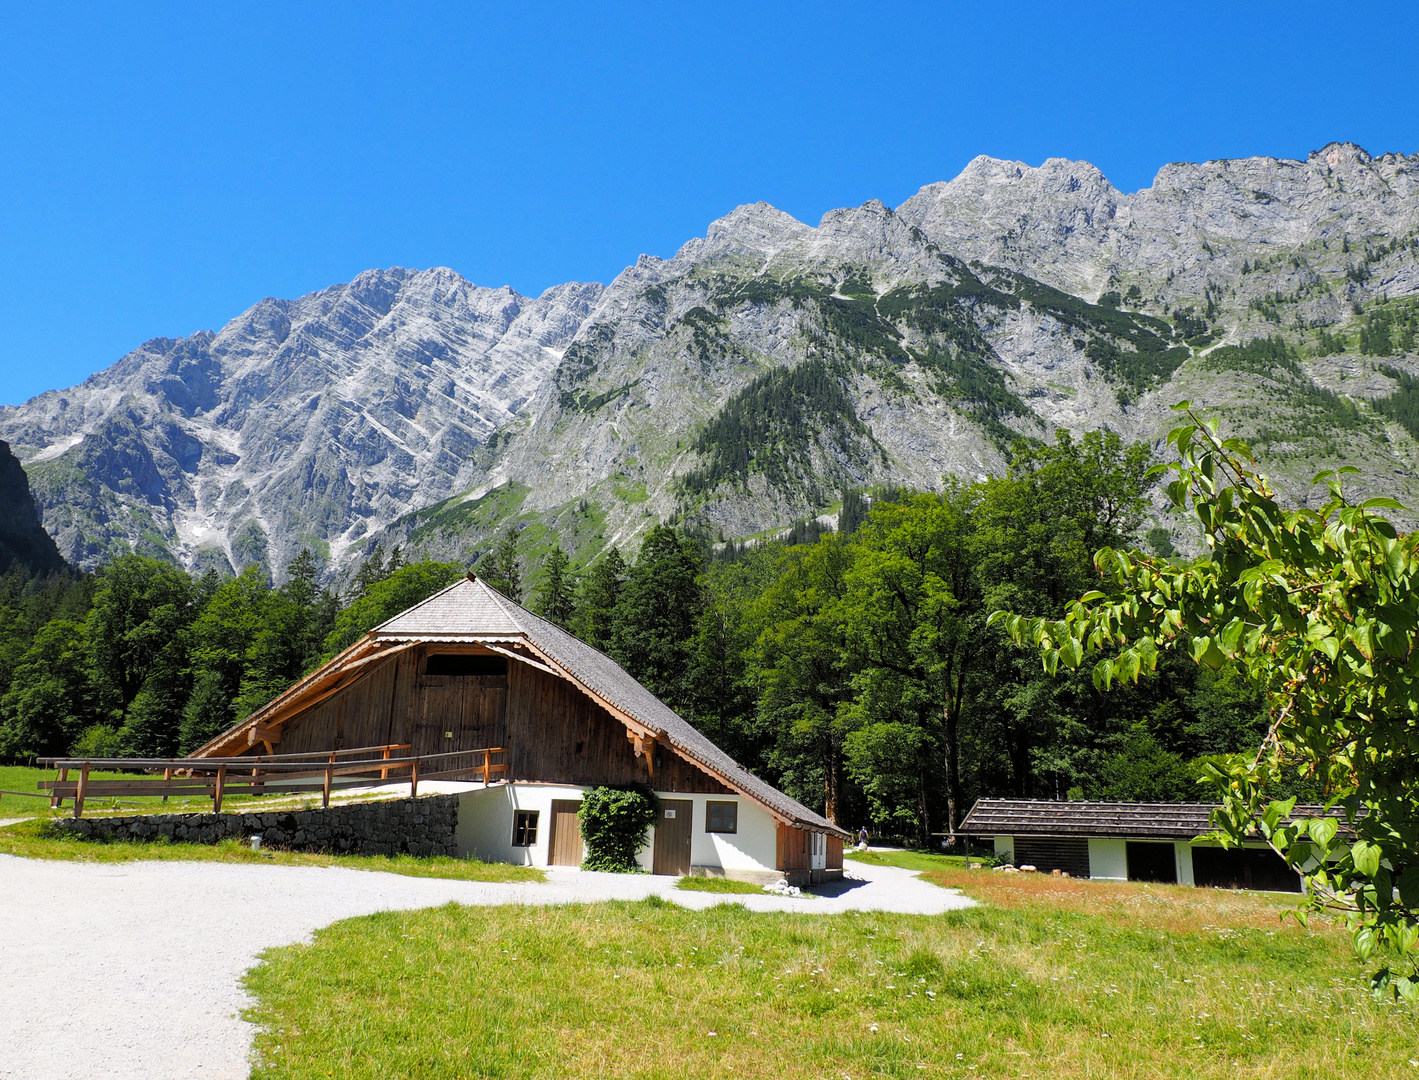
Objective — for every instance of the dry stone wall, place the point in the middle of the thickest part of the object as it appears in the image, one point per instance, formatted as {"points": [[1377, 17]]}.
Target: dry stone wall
{"points": [[422, 826]]}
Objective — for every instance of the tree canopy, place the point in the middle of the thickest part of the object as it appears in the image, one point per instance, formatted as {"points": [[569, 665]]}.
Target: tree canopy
{"points": [[1318, 607]]}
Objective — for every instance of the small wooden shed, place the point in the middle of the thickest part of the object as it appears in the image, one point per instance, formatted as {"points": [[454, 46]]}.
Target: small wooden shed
{"points": [[1120, 841], [468, 668]]}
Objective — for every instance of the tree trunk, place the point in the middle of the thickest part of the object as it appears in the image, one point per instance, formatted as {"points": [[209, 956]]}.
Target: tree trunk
{"points": [[950, 722], [832, 767]]}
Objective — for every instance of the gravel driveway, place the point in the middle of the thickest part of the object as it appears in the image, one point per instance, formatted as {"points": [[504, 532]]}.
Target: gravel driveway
{"points": [[133, 969]]}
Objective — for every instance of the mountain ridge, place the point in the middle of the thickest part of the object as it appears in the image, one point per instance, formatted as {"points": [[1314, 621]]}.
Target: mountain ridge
{"points": [[880, 346]]}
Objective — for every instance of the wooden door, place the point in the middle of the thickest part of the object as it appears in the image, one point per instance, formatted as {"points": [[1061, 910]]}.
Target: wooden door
{"points": [[566, 833], [672, 837]]}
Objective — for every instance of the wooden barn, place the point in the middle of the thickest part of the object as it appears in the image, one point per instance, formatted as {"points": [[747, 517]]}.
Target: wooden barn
{"points": [[468, 669]]}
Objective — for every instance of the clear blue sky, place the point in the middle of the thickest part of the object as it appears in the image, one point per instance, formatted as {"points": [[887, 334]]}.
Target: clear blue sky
{"points": [[162, 167]]}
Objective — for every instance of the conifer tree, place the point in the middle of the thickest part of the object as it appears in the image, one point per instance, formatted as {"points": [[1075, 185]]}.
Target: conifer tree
{"points": [[556, 597], [600, 589]]}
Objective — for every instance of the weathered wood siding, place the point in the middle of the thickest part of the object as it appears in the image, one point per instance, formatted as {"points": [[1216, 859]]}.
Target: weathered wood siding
{"points": [[835, 852], [793, 851], [553, 732]]}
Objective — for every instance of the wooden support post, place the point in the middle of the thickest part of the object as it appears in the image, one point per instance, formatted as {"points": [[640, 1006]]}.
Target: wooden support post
{"points": [[55, 799], [487, 766], [257, 787], [79, 795], [329, 778], [167, 775], [414, 778], [384, 772], [217, 789]]}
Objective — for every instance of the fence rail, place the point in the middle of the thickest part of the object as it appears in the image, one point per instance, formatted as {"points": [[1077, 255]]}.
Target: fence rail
{"points": [[267, 774]]}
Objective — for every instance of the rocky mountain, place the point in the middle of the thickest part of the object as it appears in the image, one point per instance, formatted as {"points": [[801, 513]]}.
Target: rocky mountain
{"points": [[746, 381], [23, 541]]}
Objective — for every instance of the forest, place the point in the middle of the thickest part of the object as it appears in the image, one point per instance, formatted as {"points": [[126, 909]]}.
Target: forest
{"points": [[852, 667]]}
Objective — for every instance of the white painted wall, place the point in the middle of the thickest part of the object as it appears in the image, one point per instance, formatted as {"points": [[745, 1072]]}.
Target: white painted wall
{"points": [[1183, 851], [485, 819], [485, 822], [1108, 858]]}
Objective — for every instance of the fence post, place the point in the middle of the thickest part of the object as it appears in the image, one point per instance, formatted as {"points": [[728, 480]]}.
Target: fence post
{"points": [[414, 778], [55, 799], [487, 766], [384, 772], [329, 779], [167, 776], [79, 795], [217, 789]]}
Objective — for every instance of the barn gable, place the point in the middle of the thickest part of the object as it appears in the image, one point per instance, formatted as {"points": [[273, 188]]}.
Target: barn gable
{"points": [[566, 712]]}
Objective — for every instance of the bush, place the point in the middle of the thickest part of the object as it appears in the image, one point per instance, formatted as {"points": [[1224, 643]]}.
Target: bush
{"points": [[614, 822]]}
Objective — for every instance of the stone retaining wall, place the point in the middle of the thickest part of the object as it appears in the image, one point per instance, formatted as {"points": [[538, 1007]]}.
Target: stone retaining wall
{"points": [[422, 826]]}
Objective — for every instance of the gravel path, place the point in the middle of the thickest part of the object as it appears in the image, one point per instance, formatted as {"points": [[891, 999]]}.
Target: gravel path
{"points": [[133, 970]]}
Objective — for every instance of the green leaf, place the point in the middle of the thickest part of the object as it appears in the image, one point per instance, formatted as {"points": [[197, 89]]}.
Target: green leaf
{"points": [[1366, 857], [1323, 831], [1409, 888], [1382, 502]]}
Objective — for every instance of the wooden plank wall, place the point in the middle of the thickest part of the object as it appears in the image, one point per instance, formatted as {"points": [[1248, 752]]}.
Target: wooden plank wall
{"points": [[793, 853], [835, 852], [554, 732]]}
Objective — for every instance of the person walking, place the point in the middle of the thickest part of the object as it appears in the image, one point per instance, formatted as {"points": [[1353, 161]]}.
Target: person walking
{"points": [[862, 838]]}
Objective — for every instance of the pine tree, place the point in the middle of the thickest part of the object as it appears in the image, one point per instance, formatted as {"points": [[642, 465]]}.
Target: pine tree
{"points": [[657, 615], [556, 598], [502, 568], [600, 589]]}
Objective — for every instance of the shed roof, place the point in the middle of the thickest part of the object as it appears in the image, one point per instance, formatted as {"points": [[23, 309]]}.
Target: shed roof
{"points": [[470, 610], [1043, 817]]}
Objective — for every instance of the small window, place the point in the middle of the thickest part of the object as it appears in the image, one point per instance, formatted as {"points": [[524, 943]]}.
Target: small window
{"points": [[465, 664], [721, 817], [524, 828]]}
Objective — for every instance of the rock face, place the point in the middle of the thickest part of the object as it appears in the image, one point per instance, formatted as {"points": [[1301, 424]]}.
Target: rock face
{"points": [[23, 540], [746, 381]]}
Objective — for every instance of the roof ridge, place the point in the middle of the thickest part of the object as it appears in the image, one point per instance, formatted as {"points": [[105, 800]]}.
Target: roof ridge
{"points": [[425, 601]]}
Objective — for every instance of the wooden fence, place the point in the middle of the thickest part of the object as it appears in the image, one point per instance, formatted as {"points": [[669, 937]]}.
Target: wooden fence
{"points": [[268, 774]]}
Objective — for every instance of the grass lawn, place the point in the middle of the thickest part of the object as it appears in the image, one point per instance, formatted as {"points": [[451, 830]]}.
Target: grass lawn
{"points": [[909, 860], [1048, 978], [718, 885], [34, 840]]}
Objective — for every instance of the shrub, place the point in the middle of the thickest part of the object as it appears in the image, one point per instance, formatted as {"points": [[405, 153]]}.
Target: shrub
{"points": [[614, 822]]}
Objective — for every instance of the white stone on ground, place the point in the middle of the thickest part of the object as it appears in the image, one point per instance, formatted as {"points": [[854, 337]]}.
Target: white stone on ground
{"points": [[133, 970]]}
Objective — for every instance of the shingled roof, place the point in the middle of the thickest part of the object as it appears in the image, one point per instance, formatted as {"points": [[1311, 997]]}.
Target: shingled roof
{"points": [[1042, 817], [470, 610]]}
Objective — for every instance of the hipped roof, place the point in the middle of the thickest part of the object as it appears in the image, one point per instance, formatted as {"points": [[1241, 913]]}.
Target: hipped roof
{"points": [[470, 610], [1042, 817]]}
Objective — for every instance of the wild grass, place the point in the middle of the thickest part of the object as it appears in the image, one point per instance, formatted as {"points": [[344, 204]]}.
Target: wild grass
{"points": [[1047, 978], [718, 885], [39, 840], [909, 860]]}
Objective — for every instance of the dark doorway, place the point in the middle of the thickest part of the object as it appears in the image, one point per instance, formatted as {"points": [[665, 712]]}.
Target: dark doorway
{"points": [[1148, 861], [1049, 853], [1243, 868], [672, 837]]}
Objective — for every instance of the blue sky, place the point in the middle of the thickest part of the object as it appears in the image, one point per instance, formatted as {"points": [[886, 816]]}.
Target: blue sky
{"points": [[163, 167]]}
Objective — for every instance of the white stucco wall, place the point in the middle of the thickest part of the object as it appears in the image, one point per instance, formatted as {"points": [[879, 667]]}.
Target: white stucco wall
{"points": [[1183, 851], [1108, 858], [485, 822], [485, 819]]}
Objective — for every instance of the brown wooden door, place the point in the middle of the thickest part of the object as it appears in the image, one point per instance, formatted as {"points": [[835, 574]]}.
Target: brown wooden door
{"points": [[566, 833], [672, 837]]}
